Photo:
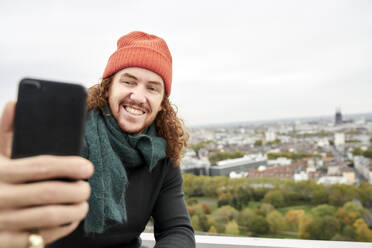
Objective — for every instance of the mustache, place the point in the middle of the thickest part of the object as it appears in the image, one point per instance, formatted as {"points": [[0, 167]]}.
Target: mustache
{"points": [[132, 103]]}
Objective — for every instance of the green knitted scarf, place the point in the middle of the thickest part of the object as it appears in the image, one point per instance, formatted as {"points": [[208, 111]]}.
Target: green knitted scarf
{"points": [[112, 151]]}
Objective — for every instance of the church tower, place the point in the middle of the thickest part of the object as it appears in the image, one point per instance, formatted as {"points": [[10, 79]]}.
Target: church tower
{"points": [[338, 117]]}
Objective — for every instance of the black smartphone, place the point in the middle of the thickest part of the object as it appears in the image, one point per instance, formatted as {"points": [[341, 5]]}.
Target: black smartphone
{"points": [[49, 118]]}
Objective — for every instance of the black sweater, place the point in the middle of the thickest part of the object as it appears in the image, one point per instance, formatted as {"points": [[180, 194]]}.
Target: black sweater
{"points": [[157, 194]]}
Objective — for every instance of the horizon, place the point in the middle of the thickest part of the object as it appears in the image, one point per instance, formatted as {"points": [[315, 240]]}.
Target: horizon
{"points": [[285, 119]]}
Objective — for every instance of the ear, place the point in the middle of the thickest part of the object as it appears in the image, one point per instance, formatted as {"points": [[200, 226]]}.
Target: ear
{"points": [[107, 93], [162, 102]]}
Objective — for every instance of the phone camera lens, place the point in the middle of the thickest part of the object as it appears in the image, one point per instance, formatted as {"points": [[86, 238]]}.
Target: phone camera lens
{"points": [[31, 84]]}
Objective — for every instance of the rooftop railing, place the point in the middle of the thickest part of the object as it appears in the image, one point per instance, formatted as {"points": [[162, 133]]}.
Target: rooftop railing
{"points": [[242, 242]]}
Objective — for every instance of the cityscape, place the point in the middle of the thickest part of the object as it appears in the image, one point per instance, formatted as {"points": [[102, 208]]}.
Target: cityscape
{"points": [[308, 178]]}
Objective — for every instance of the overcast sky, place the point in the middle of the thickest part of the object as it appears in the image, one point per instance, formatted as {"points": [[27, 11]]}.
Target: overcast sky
{"points": [[232, 60]]}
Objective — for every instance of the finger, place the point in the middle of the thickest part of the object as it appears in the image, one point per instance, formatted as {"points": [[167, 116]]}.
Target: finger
{"points": [[20, 238], [6, 129], [43, 193], [44, 167], [7, 117], [14, 239], [52, 234], [42, 217]]}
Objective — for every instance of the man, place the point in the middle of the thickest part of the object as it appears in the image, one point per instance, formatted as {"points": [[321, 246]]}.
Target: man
{"points": [[135, 141]]}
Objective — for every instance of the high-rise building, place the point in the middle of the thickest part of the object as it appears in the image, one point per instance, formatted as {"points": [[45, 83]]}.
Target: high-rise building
{"points": [[338, 117]]}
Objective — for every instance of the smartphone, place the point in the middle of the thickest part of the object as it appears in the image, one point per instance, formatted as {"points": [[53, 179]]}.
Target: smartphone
{"points": [[49, 118]]}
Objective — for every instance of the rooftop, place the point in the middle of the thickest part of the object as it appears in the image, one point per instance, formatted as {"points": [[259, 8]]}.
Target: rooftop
{"points": [[241, 242], [237, 162]]}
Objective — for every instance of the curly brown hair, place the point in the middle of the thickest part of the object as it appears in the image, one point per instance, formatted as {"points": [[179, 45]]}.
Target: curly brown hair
{"points": [[168, 125]]}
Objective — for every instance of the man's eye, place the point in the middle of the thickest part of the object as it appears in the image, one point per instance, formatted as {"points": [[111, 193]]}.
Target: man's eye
{"points": [[152, 88], [127, 82]]}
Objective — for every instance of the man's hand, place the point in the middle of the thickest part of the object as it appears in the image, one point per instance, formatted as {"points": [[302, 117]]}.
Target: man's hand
{"points": [[6, 129], [29, 197]]}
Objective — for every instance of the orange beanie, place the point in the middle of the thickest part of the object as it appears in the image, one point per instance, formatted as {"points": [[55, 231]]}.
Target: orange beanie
{"points": [[139, 49]]}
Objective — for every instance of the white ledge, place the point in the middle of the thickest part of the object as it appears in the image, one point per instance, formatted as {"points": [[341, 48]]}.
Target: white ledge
{"points": [[269, 242]]}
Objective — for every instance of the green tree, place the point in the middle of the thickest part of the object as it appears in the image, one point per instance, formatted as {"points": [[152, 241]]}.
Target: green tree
{"points": [[275, 198], [197, 147], [200, 145], [224, 199], [267, 208], [304, 190], [194, 185], [212, 230], [363, 233], [357, 151], [203, 223], [324, 228], [367, 153], [365, 192], [259, 193], [259, 211], [205, 207], [293, 218], [219, 156], [257, 143], [348, 233], [339, 194], [244, 217], [195, 222], [339, 237], [198, 209], [276, 222], [347, 217], [320, 195], [349, 213], [223, 215], [187, 182], [258, 225], [322, 133], [243, 194], [232, 228], [211, 221], [276, 141], [291, 155], [303, 227], [213, 185], [323, 210]]}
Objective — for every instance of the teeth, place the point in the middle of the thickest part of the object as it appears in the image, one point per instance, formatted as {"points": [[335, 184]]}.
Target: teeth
{"points": [[134, 111]]}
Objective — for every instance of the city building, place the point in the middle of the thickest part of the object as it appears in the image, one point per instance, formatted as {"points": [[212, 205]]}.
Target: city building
{"points": [[270, 136], [339, 140], [238, 165], [338, 117], [364, 167], [284, 171]]}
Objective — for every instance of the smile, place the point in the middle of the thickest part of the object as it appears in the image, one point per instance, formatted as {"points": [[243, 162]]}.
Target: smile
{"points": [[133, 110]]}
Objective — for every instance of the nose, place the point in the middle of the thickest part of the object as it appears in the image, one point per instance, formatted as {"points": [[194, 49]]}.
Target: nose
{"points": [[138, 95]]}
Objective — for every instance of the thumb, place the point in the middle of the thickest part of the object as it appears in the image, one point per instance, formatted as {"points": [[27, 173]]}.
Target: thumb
{"points": [[6, 129]]}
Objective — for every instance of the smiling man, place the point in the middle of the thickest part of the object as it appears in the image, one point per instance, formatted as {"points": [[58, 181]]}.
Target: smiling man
{"points": [[135, 98], [135, 141]]}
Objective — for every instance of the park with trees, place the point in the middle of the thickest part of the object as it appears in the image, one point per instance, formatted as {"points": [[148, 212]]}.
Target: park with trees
{"points": [[279, 208]]}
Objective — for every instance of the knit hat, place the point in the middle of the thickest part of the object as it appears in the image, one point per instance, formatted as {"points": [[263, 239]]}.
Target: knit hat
{"points": [[139, 49]]}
